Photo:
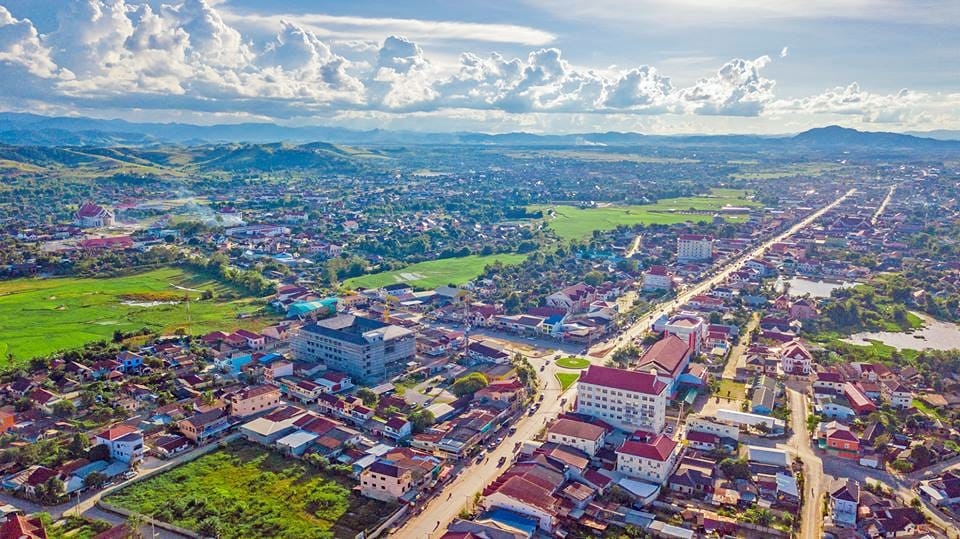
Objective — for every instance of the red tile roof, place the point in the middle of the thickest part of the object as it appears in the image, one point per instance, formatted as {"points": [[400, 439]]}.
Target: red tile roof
{"points": [[668, 353], [577, 429], [21, 527], [660, 448], [638, 382]]}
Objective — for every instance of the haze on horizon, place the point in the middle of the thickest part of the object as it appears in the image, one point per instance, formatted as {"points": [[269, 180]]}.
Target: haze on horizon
{"points": [[542, 66]]}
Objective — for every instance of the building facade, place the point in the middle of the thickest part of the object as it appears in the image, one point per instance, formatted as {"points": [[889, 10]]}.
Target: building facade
{"points": [[694, 247], [628, 400], [368, 350]]}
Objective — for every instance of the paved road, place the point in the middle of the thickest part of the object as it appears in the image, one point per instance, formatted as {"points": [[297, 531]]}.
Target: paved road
{"points": [[719, 276], [733, 361], [815, 482], [446, 505]]}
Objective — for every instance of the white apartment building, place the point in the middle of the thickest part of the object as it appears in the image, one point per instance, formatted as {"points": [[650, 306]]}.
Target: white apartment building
{"points": [[628, 400]]}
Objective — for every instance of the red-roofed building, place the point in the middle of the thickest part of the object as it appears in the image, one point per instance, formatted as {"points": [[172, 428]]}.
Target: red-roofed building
{"points": [[106, 244], [253, 400], [657, 278], [21, 527], [573, 299], [795, 359], [669, 357], [859, 402], [125, 443], [92, 216], [625, 399], [583, 436], [694, 247], [527, 498], [652, 460]]}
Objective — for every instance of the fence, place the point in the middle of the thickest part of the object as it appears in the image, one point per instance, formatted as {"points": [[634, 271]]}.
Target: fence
{"points": [[148, 520]]}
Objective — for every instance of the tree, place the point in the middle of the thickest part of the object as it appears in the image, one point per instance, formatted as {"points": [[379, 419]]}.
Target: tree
{"points": [[95, 480], [64, 408], [469, 384], [421, 419], [210, 527], [78, 445], [626, 354], [50, 492], [735, 468], [368, 397], [594, 278]]}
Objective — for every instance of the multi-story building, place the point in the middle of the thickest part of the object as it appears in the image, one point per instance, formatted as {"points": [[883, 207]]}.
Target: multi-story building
{"points": [[669, 357], [628, 400], [125, 443], [689, 328], [368, 350], [657, 278], [253, 400], [385, 481], [694, 247], [897, 394], [583, 436], [652, 460]]}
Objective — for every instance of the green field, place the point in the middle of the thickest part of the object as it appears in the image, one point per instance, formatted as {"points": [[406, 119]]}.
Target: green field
{"points": [[434, 273], [572, 222], [573, 363], [248, 491], [567, 379], [760, 172], [732, 390], [40, 316]]}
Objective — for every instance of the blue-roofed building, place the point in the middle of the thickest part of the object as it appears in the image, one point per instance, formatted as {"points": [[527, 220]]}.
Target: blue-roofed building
{"points": [[301, 309], [509, 519], [75, 481]]}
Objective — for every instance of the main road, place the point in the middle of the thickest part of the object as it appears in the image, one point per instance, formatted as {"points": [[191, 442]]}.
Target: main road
{"points": [[446, 504]]}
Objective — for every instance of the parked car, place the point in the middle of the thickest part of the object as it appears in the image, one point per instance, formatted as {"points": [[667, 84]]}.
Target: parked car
{"points": [[501, 461], [129, 474]]}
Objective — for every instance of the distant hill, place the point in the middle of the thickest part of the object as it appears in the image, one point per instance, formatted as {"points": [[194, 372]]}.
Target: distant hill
{"points": [[34, 130]]}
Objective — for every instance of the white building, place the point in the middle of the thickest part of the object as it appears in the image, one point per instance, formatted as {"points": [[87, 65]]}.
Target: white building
{"points": [[651, 461], [657, 278], [577, 434], [795, 359], [897, 394], [712, 425], [689, 328], [628, 400], [694, 247], [124, 441], [844, 502]]}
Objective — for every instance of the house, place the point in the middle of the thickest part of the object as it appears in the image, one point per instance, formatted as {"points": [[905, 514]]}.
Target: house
{"points": [[859, 402], [484, 351], [129, 361], [795, 359], [22, 527], [943, 490], [255, 341], [586, 437], [803, 309], [652, 460], [669, 358], [90, 215], [703, 441], [694, 477], [397, 427], [839, 437], [521, 495], [897, 394], [385, 481], [169, 445], [335, 382], [253, 400], [125, 443], [268, 429], [7, 421], [828, 382], [200, 428], [303, 390], [626, 399], [844, 502]]}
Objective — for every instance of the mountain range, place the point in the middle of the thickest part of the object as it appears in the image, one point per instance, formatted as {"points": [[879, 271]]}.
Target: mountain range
{"points": [[23, 129]]}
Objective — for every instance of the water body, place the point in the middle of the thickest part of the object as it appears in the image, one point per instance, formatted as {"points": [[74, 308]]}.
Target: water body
{"points": [[817, 289], [935, 335]]}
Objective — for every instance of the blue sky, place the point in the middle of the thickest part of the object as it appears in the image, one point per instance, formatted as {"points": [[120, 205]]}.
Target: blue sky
{"points": [[653, 66]]}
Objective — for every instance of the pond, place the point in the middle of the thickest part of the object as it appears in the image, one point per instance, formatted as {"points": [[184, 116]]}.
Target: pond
{"points": [[817, 289], [935, 335]]}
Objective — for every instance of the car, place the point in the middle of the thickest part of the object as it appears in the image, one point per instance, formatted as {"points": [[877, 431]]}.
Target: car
{"points": [[501, 461], [499, 440], [129, 474], [532, 411], [512, 431], [542, 367], [541, 397], [669, 429]]}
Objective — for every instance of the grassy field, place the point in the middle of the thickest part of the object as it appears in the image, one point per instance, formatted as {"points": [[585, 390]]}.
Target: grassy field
{"points": [[730, 389], [434, 273], [572, 222], [252, 492], [40, 316], [796, 169], [567, 379], [573, 363]]}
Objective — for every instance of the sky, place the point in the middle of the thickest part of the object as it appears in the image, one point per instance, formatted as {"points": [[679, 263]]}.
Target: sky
{"points": [[541, 66]]}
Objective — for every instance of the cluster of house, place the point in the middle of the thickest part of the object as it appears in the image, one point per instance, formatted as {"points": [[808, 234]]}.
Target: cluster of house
{"points": [[858, 512]]}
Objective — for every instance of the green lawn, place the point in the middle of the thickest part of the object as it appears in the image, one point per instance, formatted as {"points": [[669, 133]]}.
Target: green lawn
{"points": [[434, 273], [730, 389], [573, 363], [567, 379], [571, 222], [40, 316], [249, 491]]}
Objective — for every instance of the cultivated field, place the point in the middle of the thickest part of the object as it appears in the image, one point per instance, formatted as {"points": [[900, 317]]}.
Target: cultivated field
{"points": [[40, 316], [434, 273], [245, 491], [571, 222]]}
